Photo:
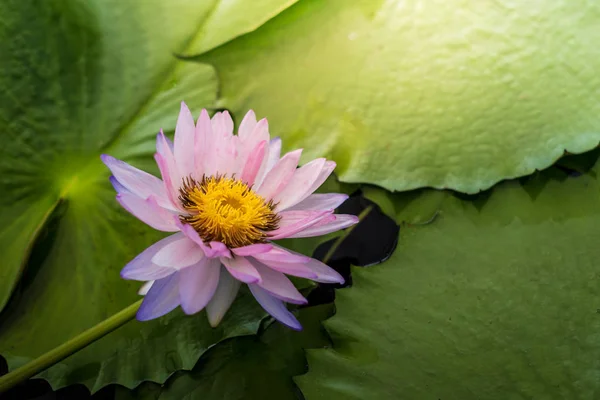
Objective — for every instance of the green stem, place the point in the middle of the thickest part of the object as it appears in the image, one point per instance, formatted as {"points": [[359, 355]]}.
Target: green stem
{"points": [[343, 236], [63, 351]]}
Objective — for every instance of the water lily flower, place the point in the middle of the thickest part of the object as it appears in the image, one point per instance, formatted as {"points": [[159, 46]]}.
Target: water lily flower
{"points": [[228, 198]]}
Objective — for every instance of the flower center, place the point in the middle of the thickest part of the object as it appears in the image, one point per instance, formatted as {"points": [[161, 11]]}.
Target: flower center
{"points": [[227, 210]]}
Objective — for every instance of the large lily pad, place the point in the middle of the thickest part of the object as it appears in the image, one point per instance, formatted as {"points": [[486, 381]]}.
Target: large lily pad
{"points": [[79, 79], [497, 298], [245, 368], [406, 94]]}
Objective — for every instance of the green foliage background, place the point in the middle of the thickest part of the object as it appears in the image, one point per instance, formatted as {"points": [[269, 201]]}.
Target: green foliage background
{"points": [[489, 295]]}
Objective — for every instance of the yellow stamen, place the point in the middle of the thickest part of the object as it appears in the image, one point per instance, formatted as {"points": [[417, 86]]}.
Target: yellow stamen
{"points": [[227, 210]]}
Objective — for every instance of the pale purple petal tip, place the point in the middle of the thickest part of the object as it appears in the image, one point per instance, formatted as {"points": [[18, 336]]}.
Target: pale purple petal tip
{"points": [[151, 272], [141, 267], [325, 274], [278, 285], [119, 188], [148, 211], [162, 298], [162, 141], [275, 307], [106, 159]]}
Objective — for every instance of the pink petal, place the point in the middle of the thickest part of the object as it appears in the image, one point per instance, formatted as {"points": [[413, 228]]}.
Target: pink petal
{"points": [[320, 271], [318, 201], [141, 267], [222, 124], [203, 135], [277, 178], [272, 155], [293, 222], [168, 169], [294, 269], [253, 163], [136, 181], [197, 284], [148, 211], [252, 249], [164, 145], [229, 164], [247, 125], [211, 250], [341, 221], [241, 269], [275, 307], [286, 262], [223, 297], [184, 141], [162, 298], [178, 254], [278, 285], [248, 144], [300, 184], [220, 155], [258, 134], [325, 172], [281, 255], [227, 122], [325, 274]]}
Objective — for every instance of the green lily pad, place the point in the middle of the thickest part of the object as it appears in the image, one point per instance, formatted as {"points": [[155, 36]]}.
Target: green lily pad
{"points": [[80, 79], [415, 207], [404, 94], [497, 298], [245, 368]]}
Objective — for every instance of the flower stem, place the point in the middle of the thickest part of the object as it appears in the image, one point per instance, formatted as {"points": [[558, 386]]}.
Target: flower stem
{"points": [[61, 352], [346, 233]]}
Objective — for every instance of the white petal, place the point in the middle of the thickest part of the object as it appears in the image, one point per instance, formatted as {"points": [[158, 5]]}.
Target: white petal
{"points": [[223, 297], [145, 288]]}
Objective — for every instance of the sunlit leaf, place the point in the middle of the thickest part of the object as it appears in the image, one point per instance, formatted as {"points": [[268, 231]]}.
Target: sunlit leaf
{"points": [[408, 94]]}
